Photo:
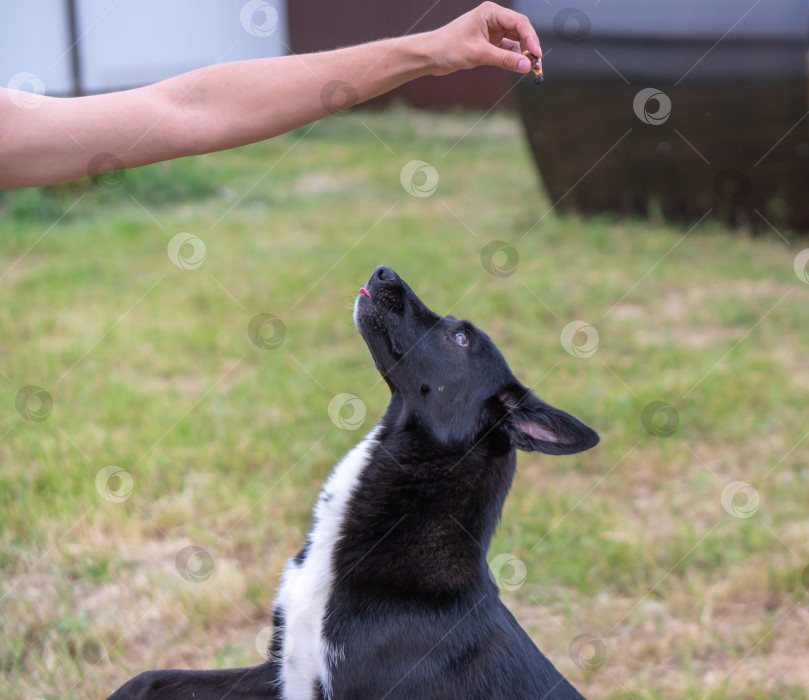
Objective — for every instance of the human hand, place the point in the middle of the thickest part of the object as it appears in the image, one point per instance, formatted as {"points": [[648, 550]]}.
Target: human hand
{"points": [[489, 35]]}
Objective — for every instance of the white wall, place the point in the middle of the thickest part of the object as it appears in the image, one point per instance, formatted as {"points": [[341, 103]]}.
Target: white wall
{"points": [[34, 40], [133, 42]]}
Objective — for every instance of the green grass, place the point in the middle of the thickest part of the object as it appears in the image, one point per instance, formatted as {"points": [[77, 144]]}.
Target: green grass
{"points": [[150, 367]]}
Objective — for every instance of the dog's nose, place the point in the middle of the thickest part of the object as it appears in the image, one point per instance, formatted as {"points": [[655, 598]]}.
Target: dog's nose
{"points": [[384, 274]]}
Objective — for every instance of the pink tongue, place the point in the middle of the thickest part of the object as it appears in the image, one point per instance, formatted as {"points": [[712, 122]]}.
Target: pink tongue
{"points": [[365, 292]]}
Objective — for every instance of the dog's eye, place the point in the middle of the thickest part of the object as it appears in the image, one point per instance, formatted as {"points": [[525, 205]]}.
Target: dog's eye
{"points": [[460, 338]]}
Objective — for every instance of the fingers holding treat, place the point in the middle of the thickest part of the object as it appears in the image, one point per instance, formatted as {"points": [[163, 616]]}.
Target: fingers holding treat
{"points": [[510, 45], [536, 65], [513, 25]]}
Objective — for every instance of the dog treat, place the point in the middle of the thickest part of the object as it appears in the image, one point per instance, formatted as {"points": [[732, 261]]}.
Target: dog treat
{"points": [[536, 65]]}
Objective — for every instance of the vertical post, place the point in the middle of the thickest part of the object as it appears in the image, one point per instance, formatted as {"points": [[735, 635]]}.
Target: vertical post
{"points": [[73, 38]]}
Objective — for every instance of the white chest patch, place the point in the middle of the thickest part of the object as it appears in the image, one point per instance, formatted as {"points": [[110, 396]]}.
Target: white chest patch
{"points": [[305, 587]]}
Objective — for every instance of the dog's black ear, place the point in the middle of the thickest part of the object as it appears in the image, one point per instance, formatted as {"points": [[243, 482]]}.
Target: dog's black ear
{"points": [[536, 426]]}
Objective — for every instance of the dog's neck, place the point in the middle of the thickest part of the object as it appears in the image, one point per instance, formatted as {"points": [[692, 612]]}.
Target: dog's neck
{"points": [[422, 515]]}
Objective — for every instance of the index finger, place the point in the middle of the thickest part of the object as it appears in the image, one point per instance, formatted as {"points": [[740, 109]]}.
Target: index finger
{"points": [[517, 26]]}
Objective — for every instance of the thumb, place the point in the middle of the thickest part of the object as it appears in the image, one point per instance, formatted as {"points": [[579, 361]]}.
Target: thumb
{"points": [[503, 58]]}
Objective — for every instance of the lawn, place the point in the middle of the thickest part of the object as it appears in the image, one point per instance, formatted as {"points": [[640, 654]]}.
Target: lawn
{"points": [[169, 413]]}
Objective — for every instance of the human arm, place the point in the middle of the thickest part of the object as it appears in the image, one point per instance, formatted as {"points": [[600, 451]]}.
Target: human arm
{"points": [[227, 105]]}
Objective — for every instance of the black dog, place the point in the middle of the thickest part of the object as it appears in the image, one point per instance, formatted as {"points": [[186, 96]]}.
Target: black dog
{"points": [[391, 597]]}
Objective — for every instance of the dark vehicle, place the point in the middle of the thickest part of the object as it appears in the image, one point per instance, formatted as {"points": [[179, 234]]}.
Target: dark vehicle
{"points": [[688, 107]]}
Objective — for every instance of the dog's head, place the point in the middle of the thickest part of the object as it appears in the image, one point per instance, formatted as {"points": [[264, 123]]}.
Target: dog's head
{"points": [[448, 377]]}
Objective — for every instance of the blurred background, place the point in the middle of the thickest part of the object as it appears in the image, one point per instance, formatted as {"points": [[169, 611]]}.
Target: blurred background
{"points": [[179, 371], [718, 90], [77, 47]]}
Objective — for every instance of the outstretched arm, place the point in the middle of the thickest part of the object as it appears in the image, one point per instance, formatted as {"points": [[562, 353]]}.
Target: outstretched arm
{"points": [[53, 140]]}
